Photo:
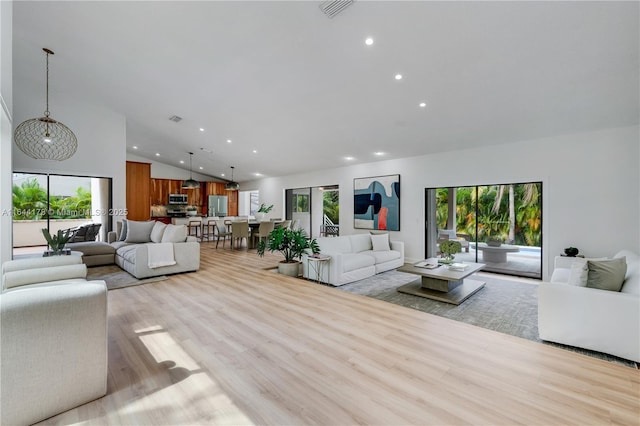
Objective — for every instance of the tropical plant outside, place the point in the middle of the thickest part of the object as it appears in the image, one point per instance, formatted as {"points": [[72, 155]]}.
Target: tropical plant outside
{"points": [[511, 213], [30, 203], [331, 205]]}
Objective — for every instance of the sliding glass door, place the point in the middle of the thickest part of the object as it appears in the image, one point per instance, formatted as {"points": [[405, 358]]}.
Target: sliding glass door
{"points": [[314, 209], [498, 225], [57, 202]]}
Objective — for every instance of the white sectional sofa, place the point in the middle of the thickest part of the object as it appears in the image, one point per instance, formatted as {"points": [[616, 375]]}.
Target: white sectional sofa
{"points": [[600, 320], [53, 338], [354, 257], [138, 244]]}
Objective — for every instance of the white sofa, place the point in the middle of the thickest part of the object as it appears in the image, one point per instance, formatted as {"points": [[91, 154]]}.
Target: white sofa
{"points": [[133, 251], [354, 257], [600, 320], [53, 338]]}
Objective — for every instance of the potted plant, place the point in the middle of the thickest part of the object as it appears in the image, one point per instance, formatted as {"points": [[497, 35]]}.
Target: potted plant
{"points": [[264, 209], [292, 243], [449, 248], [57, 242], [192, 210]]}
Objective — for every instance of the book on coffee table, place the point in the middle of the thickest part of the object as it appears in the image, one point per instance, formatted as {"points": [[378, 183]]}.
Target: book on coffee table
{"points": [[426, 264], [458, 266]]}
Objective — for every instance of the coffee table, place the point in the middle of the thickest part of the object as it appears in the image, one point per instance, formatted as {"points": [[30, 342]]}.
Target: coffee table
{"points": [[441, 283]]}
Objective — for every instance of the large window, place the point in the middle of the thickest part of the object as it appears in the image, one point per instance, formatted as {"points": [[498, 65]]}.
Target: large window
{"points": [[498, 225], [314, 209], [57, 202]]}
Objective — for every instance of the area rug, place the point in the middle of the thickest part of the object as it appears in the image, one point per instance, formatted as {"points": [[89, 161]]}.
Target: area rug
{"points": [[118, 278], [506, 306]]}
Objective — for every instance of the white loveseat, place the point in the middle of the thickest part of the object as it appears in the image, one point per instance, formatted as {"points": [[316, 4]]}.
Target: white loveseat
{"points": [[354, 257], [53, 338], [137, 248], [600, 320]]}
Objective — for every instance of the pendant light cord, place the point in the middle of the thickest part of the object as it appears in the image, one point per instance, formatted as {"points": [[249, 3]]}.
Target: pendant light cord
{"points": [[48, 52]]}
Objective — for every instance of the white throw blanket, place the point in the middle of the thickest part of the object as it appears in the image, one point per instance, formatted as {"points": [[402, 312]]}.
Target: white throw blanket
{"points": [[160, 254]]}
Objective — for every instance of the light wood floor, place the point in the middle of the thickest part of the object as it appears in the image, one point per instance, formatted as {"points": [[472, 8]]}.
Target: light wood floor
{"points": [[236, 344]]}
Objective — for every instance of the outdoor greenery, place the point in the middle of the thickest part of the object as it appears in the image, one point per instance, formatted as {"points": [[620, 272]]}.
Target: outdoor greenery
{"points": [[30, 203], [331, 205], [511, 213]]}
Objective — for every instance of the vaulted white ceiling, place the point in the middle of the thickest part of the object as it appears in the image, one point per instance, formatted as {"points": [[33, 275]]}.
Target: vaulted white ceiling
{"points": [[305, 91]]}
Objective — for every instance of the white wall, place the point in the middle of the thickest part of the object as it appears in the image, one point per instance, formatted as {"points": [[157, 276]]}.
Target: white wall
{"points": [[591, 188], [6, 109], [101, 137], [164, 171]]}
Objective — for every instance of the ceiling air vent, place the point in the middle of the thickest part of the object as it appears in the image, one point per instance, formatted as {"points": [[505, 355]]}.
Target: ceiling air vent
{"points": [[333, 7], [175, 118]]}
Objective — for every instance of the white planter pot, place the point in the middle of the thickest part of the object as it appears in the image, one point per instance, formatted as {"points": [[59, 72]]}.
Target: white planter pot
{"points": [[290, 269]]}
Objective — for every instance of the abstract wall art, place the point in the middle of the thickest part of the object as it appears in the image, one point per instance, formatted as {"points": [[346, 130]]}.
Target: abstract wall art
{"points": [[376, 203]]}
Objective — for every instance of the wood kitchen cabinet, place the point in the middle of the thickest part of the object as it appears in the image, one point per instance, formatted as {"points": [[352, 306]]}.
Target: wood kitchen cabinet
{"points": [[138, 188]]}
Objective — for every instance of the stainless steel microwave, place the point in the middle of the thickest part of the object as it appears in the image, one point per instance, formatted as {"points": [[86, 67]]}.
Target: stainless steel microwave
{"points": [[178, 199]]}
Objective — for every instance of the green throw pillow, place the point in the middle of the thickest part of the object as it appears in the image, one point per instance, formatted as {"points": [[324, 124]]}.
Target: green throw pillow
{"points": [[607, 274]]}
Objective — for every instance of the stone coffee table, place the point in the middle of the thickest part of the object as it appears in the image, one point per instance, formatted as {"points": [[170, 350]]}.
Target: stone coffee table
{"points": [[442, 283]]}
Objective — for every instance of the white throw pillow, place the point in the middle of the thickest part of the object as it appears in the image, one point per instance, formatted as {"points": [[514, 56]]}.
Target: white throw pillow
{"points": [[580, 272], [175, 234], [139, 232], [157, 232], [380, 242]]}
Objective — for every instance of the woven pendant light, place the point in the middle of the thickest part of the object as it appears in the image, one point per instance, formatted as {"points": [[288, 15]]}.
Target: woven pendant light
{"points": [[45, 138]]}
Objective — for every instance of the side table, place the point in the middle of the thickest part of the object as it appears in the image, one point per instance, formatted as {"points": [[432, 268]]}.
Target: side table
{"points": [[317, 263]]}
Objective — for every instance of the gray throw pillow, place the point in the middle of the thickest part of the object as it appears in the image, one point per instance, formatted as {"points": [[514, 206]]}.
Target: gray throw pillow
{"points": [[122, 230], [139, 232], [607, 274]]}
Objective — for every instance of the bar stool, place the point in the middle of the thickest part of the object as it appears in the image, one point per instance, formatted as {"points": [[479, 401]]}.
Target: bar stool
{"points": [[195, 228], [208, 230]]}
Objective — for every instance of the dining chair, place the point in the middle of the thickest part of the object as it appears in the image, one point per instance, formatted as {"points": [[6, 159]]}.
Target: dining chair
{"points": [[222, 232], [286, 224], [239, 230], [264, 230]]}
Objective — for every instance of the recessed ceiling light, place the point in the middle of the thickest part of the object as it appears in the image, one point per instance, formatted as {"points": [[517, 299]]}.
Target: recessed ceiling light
{"points": [[222, 174], [228, 140], [423, 104], [201, 129], [157, 154], [349, 158], [134, 147], [255, 151], [258, 174], [368, 41], [181, 161], [378, 153], [398, 77], [201, 167]]}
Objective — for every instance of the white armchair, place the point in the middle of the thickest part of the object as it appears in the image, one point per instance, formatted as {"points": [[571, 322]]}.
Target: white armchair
{"points": [[53, 338], [590, 318]]}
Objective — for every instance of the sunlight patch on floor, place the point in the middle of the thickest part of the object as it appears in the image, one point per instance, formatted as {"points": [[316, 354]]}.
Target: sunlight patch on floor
{"points": [[193, 389]]}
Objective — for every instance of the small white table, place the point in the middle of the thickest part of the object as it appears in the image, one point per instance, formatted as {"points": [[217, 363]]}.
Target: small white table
{"points": [[318, 264], [496, 254]]}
